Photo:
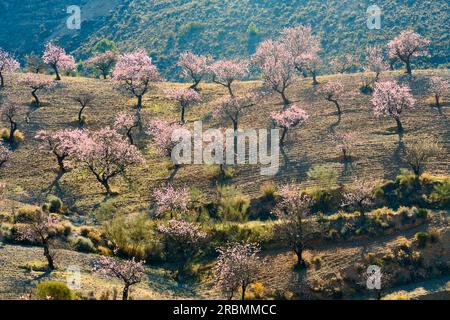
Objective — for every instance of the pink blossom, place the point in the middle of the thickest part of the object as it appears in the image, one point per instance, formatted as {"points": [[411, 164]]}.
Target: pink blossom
{"points": [[58, 59], [7, 64], [343, 63], [126, 122], [438, 86], [332, 91], [225, 72], [102, 62], [194, 67], [185, 97], [375, 61], [5, 155], [161, 133], [37, 82], [289, 118], [344, 142], [169, 199]]}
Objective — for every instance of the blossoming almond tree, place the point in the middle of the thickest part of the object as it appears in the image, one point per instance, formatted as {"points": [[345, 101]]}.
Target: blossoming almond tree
{"points": [[344, 142], [58, 59], [407, 45], [438, 87], [130, 272], [7, 64], [194, 67], [126, 122], [5, 154], [37, 83], [332, 91], [185, 98], [375, 61], [134, 73], [290, 118], [171, 200], [343, 64], [84, 99], [390, 99], [9, 112], [106, 154], [160, 132], [60, 143], [103, 62], [237, 267], [225, 72], [360, 195]]}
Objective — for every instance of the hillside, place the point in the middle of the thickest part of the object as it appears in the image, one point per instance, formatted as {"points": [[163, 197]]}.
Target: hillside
{"points": [[220, 28]]}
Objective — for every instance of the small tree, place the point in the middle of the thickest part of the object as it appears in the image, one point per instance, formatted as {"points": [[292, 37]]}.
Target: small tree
{"points": [[60, 143], [194, 67], [185, 98], [181, 242], [289, 118], [333, 91], [419, 153], [375, 62], [438, 87], [126, 122], [58, 59], [292, 211], [171, 200], [343, 64], [9, 112], [160, 131], [42, 230], [85, 99], [408, 45], [344, 142], [237, 267], [390, 99], [360, 195], [34, 63], [107, 154], [37, 83], [102, 62], [130, 272], [5, 155], [225, 72], [310, 63], [7, 64], [134, 73]]}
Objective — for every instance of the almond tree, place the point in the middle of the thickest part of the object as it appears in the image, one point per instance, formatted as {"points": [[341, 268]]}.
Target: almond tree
{"points": [[42, 230], [58, 59], [130, 272], [344, 142], [134, 73], [185, 98], [237, 267], [438, 87], [160, 131], [171, 200], [126, 122], [225, 72], [106, 154], [360, 195], [390, 99], [103, 62], [7, 64], [343, 64], [311, 62], [332, 92], [34, 63], [419, 153], [9, 112], [181, 242], [60, 143], [408, 45], [5, 155], [37, 83], [292, 211], [375, 62], [194, 67], [277, 67], [289, 118], [85, 99]]}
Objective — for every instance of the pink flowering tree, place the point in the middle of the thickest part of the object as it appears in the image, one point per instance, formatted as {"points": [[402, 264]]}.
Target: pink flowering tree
{"points": [[60, 143], [360, 195], [84, 99], [194, 68], [237, 267], [126, 123], [42, 230], [171, 200], [225, 72], [375, 62], [9, 113], [277, 67], [7, 64], [343, 64], [107, 154], [102, 62], [184, 98], [333, 91], [160, 131], [288, 119], [5, 155], [134, 73], [182, 241], [344, 142], [390, 99], [311, 63], [438, 86], [37, 83], [57, 58], [408, 45], [292, 211], [130, 272]]}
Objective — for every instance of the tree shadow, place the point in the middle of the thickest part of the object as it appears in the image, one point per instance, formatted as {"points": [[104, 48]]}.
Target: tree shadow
{"points": [[332, 127], [173, 173], [395, 161]]}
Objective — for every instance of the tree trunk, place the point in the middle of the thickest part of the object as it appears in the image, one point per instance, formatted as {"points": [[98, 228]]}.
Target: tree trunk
{"points": [[300, 261], [80, 116], [399, 125], [338, 107], [130, 136], [408, 66], [230, 90], [244, 288], [55, 68], [62, 168], [13, 128], [436, 97], [139, 104], [2, 81], [125, 292], [48, 256], [105, 74], [195, 85], [36, 98], [182, 114], [314, 76], [286, 101], [283, 136]]}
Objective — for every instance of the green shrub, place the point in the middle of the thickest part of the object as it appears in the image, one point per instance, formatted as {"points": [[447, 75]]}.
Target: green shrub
{"points": [[422, 238], [420, 213], [26, 214], [232, 205], [51, 290], [441, 194], [83, 244], [268, 190], [53, 204], [35, 266]]}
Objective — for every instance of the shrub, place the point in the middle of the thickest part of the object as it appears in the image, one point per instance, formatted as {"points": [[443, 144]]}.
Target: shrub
{"points": [[26, 214], [83, 244], [232, 205], [422, 238], [51, 290], [53, 204], [256, 291], [268, 190], [35, 266], [441, 194], [420, 213]]}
